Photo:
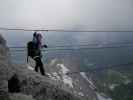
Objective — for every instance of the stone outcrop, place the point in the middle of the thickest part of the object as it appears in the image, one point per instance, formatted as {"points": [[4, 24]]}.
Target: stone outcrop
{"points": [[17, 82]]}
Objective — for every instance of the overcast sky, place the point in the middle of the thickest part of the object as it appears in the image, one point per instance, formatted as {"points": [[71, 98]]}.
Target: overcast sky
{"points": [[68, 14]]}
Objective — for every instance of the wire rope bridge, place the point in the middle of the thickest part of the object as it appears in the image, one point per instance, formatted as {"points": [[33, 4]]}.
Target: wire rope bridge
{"points": [[81, 46]]}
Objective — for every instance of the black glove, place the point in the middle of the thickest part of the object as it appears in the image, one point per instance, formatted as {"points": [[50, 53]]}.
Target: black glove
{"points": [[45, 46]]}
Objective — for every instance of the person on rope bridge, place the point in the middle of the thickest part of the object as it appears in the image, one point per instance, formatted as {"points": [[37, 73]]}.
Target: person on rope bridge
{"points": [[34, 51]]}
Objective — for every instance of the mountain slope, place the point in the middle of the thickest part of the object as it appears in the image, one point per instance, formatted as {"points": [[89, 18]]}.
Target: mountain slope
{"points": [[26, 83]]}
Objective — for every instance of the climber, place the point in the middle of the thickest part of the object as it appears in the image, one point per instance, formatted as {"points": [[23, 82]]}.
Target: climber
{"points": [[34, 51]]}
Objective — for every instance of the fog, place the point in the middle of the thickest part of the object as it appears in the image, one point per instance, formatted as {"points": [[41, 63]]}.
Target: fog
{"points": [[67, 14]]}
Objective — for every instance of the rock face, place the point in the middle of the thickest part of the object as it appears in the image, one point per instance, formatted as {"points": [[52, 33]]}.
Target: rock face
{"points": [[17, 82]]}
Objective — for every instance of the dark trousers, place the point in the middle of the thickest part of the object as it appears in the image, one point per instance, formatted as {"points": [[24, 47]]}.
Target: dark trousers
{"points": [[39, 65]]}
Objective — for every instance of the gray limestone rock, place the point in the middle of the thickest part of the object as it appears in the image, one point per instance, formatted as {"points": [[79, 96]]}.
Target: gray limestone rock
{"points": [[30, 82]]}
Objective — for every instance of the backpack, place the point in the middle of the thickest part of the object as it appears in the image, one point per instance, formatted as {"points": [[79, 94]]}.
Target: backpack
{"points": [[31, 49]]}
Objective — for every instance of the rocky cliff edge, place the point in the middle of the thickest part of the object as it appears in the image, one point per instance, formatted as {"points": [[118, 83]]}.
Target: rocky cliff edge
{"points": [[19, 83]]}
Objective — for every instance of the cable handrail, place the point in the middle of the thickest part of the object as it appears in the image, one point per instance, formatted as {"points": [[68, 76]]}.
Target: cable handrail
{"points": [[78, 48], [84, 44], [61, 30], [21, 47]]}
